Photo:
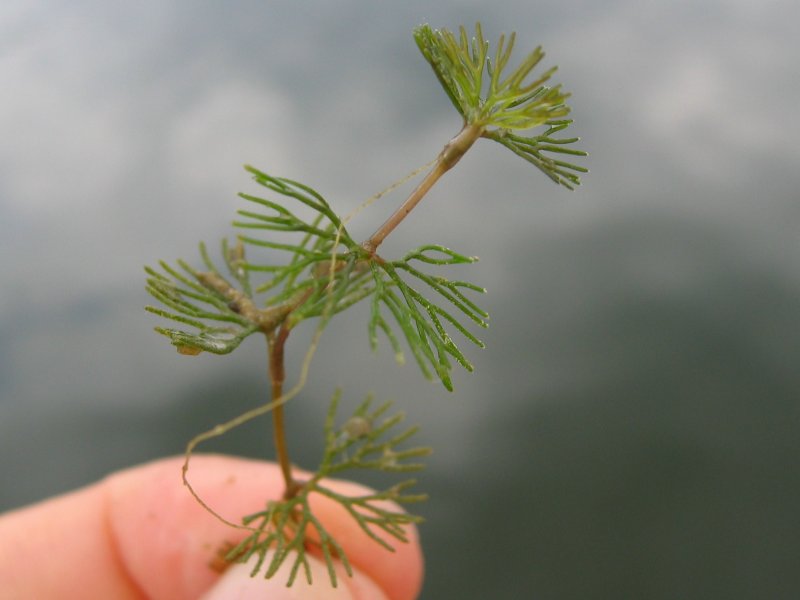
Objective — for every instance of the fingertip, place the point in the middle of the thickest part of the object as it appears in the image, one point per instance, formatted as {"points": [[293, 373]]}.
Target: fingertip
{"points": [[167, 540], [238, 582], [165, 537]]}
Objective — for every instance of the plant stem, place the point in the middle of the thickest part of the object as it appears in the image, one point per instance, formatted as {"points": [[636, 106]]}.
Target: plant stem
{"points": [[277, 375], [449, 156]]}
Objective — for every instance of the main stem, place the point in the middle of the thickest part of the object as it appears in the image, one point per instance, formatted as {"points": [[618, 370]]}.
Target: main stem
{"points": [[449, 156], [277, 375]]}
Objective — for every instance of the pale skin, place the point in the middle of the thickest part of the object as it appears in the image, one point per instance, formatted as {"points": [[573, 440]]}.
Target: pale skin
{"points": [[139, 534]]}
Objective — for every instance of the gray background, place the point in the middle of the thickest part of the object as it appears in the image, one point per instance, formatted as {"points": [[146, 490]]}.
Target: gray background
{"points": [[632, 430]]}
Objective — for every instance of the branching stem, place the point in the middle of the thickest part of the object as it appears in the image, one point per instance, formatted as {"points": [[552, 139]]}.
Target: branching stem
{"points": [[320, 280], [449, 156]]}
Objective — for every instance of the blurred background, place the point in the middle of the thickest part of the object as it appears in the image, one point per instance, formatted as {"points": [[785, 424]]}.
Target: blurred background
{"points": [[632, 429]]}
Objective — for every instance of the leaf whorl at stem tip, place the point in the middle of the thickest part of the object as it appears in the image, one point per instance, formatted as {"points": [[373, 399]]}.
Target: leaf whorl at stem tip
{"points": [[503, 104]]}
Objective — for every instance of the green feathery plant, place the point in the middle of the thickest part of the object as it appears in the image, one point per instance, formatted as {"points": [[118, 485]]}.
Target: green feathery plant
{"points": [[326, 272]]}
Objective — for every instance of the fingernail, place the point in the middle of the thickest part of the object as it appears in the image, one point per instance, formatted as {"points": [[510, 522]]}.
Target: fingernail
{"points": [[237, 584]]}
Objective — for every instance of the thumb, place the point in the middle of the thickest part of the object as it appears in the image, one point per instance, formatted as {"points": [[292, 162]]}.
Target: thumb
{"points": [[237, 584]]}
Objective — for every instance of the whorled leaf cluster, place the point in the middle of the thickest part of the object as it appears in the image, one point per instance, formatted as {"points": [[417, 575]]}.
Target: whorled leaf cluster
{"points": [[326, 272], [504, 101], [286, 529]]}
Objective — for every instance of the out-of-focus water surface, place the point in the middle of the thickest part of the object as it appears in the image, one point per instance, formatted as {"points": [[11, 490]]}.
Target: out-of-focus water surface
{"points": [[632, 429]]}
